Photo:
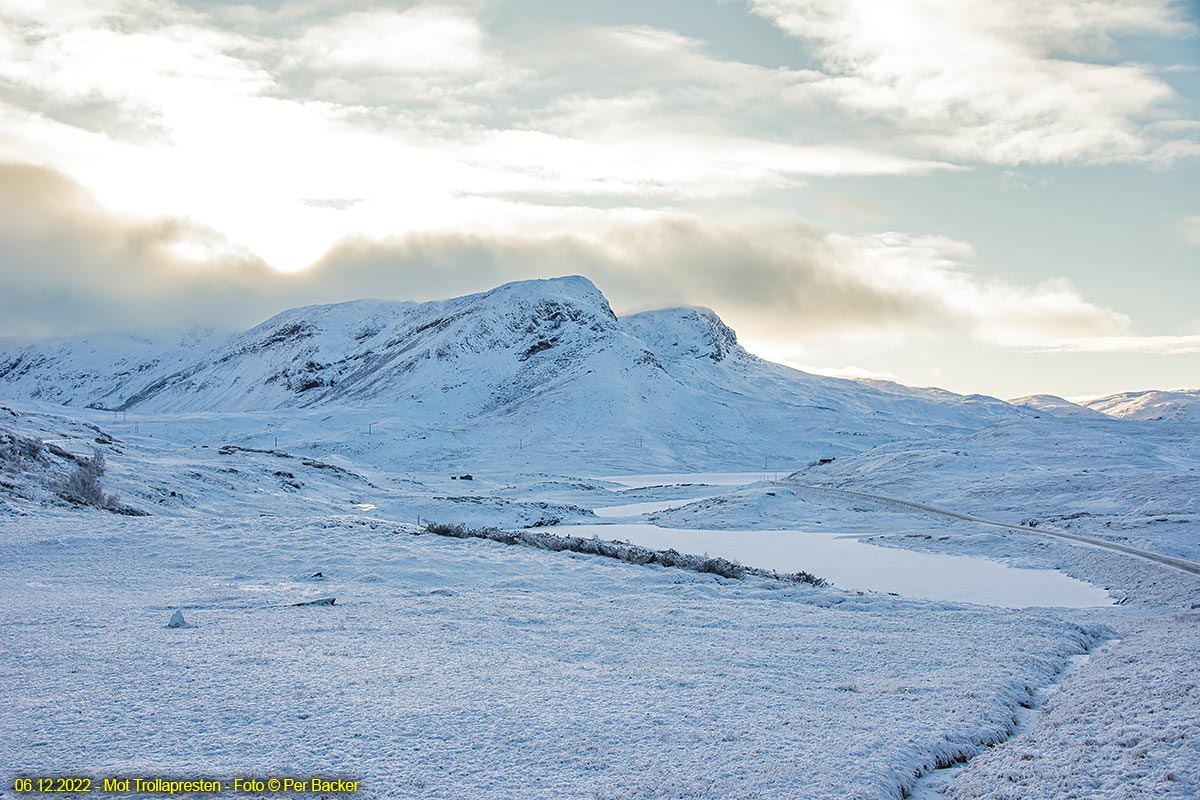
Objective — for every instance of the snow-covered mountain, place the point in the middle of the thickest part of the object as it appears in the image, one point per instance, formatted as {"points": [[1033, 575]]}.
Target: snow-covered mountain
{"points": [[1181, 405], [544, 364], [84, 370], [1055, 406]]}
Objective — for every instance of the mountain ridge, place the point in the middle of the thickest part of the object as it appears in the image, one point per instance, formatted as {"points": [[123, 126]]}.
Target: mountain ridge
{"points": [[1175, 405], [544, 364]]}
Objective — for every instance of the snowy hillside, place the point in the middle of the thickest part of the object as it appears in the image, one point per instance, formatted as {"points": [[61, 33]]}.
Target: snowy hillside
{"points": [[539, 365], [1181, 405], [84, 370], [1136, 481], [1055, 406]]}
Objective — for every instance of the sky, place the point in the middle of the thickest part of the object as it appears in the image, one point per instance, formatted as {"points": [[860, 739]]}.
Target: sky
{"points": [[993, 196]]}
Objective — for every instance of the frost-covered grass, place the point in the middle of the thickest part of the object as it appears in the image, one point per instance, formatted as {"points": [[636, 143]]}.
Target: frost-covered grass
{"points": [[1126, 726], [466, 668]]}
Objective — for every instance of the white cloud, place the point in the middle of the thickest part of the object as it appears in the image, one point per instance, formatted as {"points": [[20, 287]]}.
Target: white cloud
{"points": [[424, 39], [661, 164], [932, 274], [1189, 229], [1001, 81], [158, 111], [1149, 345], [382, 125]]}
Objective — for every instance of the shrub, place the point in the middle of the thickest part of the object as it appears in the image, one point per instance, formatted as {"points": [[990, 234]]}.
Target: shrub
{"points": [[722, 567], [804, 577], [630, 553], [446, 529], [83, 485], [31, 449], [15, 448]]}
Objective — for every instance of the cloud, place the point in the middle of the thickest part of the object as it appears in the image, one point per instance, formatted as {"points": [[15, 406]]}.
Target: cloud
{"points": [[931, 277], [1189, 229], [69, 266], [432, 58], [420, 115], [999, 81], [658, 164], [1149, 345], [424, 39], [127, 57]]}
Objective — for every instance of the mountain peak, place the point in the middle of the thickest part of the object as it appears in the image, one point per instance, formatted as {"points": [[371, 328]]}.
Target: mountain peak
{"points": [[574, 288], [542, 365], [684, 332]]}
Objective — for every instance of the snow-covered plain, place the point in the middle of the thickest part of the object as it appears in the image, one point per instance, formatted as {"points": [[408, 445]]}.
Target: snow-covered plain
{"points": [[461, 668], [320, 441], [471, 669]]}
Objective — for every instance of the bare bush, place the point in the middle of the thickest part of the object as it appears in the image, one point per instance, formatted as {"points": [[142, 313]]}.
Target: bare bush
{"points": [[31, 449], [622, 551], [15, 448], [83, 485]]}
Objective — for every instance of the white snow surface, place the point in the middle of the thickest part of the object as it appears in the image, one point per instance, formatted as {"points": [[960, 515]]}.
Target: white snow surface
{"points": [[1180, 405], [319, 440], [1053, 405], [503, 672], [454, 668], [1130, 481]]}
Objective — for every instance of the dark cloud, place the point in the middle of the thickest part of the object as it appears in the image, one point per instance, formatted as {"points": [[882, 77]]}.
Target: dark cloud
{"points": [[763, 287], [69, 266]]}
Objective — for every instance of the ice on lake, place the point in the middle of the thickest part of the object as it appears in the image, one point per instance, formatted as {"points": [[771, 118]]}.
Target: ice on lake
{"points": [[853, 564], [700, 478], [641, 509]]}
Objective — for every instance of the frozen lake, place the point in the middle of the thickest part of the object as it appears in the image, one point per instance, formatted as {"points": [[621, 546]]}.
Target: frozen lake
{"points": [[703, 478], [852, 564], [641, 509]]}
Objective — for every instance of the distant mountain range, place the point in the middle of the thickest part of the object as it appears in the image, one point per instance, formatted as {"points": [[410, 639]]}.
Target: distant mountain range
{"points": [[1181, 405], [539, 364]]}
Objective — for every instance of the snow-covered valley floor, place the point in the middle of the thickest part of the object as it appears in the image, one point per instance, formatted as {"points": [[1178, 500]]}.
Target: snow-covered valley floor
{"points": [[472, 669], [454, 668]]}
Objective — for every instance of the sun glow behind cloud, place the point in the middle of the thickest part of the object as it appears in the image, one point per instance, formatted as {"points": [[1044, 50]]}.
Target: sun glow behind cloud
{"points": [[198, 122], [296, 136]]}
